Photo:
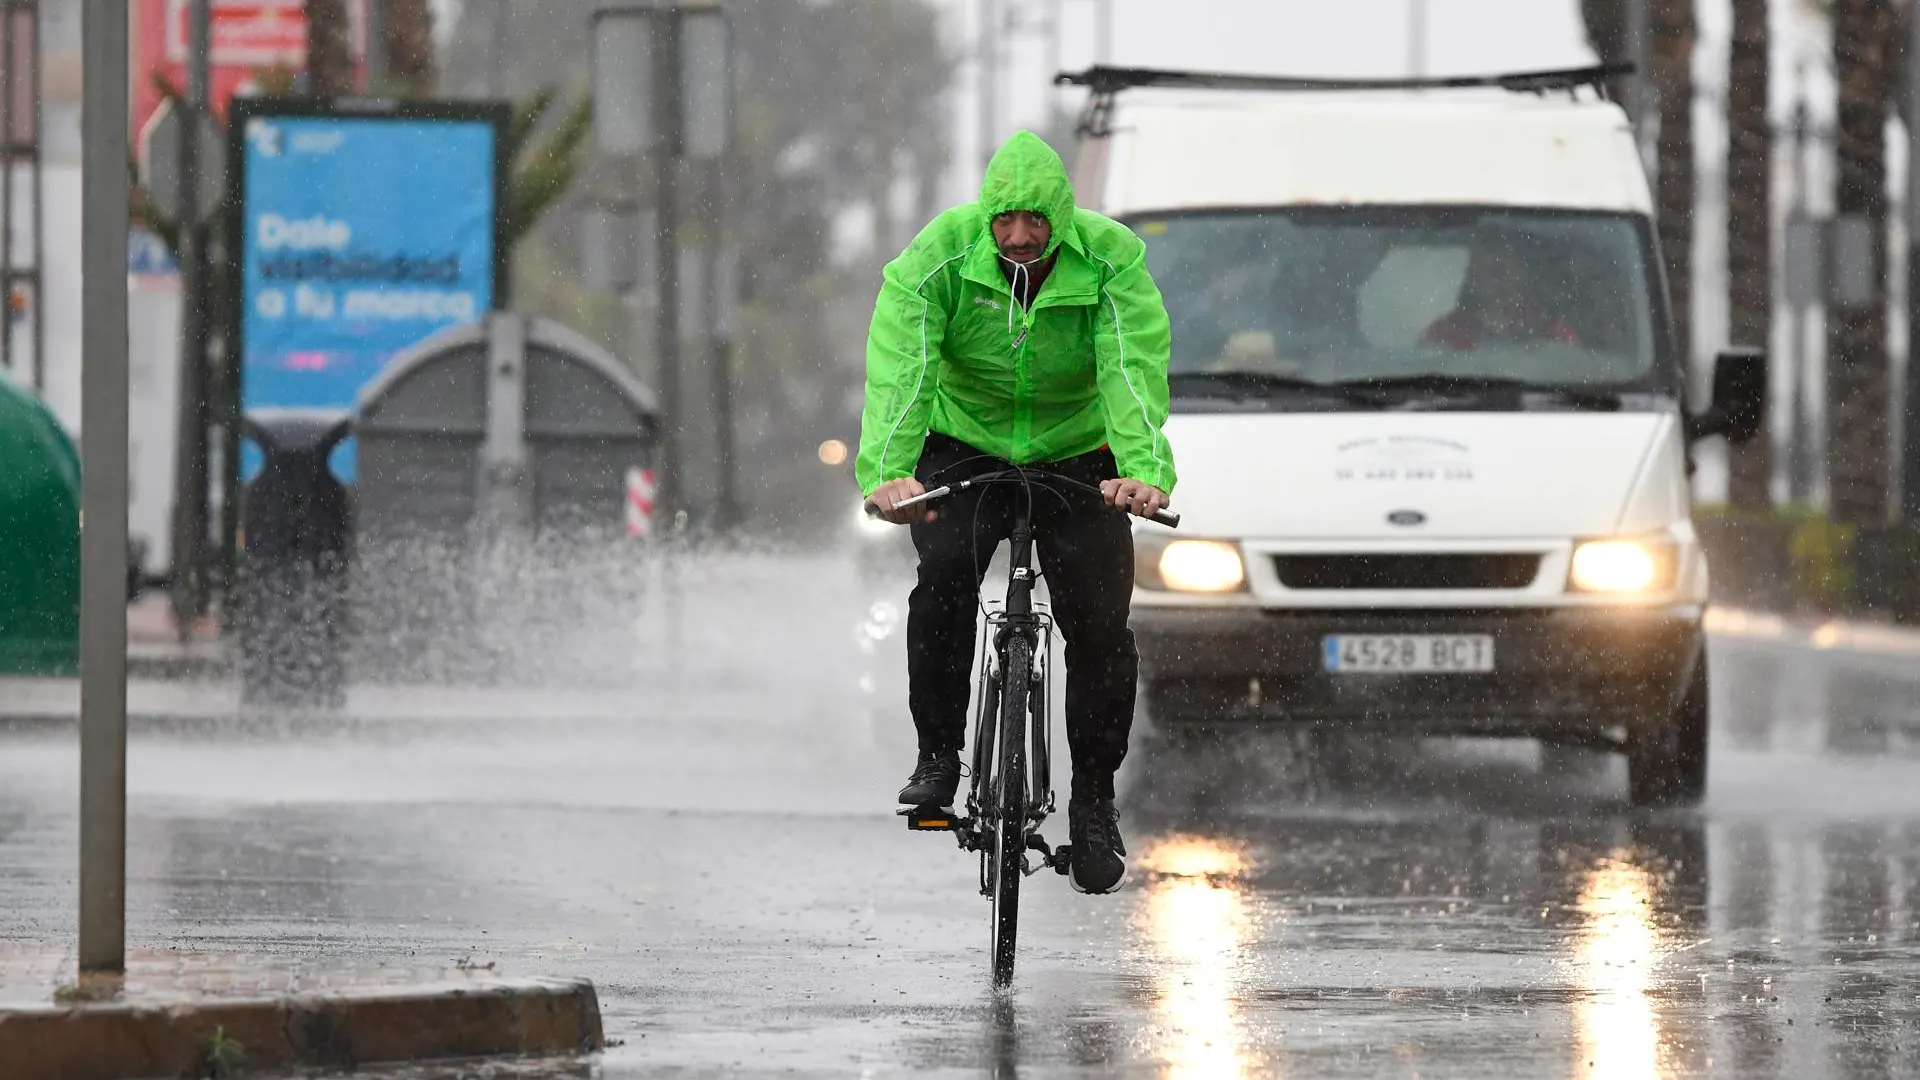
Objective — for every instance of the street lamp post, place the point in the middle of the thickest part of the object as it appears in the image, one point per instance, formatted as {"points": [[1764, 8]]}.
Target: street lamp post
{"points": [[662, 79]]}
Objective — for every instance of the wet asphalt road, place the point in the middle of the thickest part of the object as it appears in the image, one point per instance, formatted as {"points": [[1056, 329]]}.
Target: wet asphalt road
{"points": [[718, 854]]}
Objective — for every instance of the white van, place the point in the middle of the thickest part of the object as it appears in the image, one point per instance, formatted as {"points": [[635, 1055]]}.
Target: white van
{"points": [[1430, 419]]}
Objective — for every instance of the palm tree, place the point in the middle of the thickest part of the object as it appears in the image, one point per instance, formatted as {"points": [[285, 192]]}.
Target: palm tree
{"points": [[1670, 68], [1606, 23], [1857, 378], [409, 45], [1749, 226], [330, 68], [544, 167]]}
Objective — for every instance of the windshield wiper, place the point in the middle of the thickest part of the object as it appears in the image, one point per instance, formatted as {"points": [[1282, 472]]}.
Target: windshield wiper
{"points": [[1261, 383], [1578, 397]]}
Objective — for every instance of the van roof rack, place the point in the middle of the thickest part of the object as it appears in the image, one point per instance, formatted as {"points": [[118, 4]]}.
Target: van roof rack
{"points": [[1106, 82]]}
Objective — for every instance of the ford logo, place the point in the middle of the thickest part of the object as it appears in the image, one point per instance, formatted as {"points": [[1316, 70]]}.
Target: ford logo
{"points": [[1407, 517]]}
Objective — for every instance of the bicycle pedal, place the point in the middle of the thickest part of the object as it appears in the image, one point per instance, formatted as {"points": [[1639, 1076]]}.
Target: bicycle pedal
{"points": [[931, 819], [1062, 859]]}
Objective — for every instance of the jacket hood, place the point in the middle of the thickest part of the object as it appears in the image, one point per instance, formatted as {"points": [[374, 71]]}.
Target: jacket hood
{"points": [[1025, 174]]}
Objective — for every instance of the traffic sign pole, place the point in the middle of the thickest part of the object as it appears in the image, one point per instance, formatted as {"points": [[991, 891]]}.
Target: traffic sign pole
{"points": [[103, 521]]}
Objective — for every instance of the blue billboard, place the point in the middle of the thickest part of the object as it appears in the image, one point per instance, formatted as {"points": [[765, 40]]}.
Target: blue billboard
{"points": [[360, 235]]}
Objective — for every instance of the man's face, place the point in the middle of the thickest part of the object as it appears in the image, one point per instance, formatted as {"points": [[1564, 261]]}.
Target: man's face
{"points": [[1021, 235]]}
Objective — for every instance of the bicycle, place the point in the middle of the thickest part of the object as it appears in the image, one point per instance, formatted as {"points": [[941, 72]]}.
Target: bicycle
{"points": [[1007, 802]]}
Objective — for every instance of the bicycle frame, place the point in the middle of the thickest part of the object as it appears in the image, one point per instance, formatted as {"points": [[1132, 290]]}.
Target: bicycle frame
{"points": [[1017, 616]]}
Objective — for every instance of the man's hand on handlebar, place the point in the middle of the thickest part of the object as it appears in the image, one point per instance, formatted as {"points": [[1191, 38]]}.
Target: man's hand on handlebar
{"points": [[1136, 498], [894, 491]]}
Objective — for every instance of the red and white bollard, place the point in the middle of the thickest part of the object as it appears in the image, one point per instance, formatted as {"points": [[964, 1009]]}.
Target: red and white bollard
{"points": [[640, 496]]}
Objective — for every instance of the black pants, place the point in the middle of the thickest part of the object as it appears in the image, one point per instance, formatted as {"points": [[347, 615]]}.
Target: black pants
{"points": [[1086, 558]]}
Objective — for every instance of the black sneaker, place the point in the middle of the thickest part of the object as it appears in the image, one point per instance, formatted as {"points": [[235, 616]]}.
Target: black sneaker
{"points": [[1099, 862], [934, 781]]}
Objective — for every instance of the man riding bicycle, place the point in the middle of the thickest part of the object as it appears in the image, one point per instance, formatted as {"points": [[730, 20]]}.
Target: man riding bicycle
{"points": [[1021, 330]]}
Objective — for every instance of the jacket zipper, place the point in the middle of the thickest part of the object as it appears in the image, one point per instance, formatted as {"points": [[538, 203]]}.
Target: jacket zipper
{"points": [[1023, 386]]}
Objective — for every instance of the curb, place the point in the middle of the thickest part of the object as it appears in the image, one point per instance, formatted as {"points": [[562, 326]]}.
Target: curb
{"points": [[340, 1030], [1829, 635]]}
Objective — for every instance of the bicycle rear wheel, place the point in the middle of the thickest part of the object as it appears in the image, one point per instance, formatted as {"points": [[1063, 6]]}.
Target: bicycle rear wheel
{"points": [[1008, 852]]}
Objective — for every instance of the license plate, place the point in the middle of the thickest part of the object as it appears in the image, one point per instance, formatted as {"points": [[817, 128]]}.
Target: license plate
{"points": [[1408, 654]]}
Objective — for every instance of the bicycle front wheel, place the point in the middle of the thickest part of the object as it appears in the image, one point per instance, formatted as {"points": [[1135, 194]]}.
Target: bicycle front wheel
{"points": [[1008, 852]]}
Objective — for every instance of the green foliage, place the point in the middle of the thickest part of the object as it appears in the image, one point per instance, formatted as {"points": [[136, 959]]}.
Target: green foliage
{"points": [[221, 1057], [1820, 549], [545, 168], [1819, 553]]}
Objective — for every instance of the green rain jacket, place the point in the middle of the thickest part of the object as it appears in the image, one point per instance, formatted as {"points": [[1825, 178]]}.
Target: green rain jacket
{"points": [[951, 351]]}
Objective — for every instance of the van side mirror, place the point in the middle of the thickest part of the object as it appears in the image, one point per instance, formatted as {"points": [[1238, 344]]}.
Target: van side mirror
{"points": [[1739, 404]]}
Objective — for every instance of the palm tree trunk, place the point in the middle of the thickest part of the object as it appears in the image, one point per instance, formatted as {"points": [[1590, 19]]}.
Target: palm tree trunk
{"points": [[1750, 227], [329, 48], [1857, 380], [1606, 25], [1670, 66], [409, 45]]}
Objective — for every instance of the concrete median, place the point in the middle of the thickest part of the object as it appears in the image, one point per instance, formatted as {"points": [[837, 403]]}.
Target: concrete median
{"points": [[188, 1015]]}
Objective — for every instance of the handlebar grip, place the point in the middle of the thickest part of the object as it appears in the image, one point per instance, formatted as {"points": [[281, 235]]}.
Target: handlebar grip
{"points": [[927, 496], [1168, 518]]}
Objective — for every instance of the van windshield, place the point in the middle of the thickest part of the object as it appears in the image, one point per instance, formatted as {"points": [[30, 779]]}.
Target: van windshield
{"points": [[1372, 298]]}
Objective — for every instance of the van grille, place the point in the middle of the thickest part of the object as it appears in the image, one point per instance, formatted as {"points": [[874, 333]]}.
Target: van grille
{"points": [[1473, 571]]}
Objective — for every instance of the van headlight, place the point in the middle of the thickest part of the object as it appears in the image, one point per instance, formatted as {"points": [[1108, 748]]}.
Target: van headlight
{"points": [[1196, 566], [1640, 565]]}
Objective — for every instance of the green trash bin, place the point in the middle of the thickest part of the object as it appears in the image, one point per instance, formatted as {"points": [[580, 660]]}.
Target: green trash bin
{"points": [[39, 539]]}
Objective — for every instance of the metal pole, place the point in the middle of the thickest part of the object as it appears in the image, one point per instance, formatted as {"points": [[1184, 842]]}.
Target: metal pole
{"points": [[666, 197], [989, 76], [103, 452], [1799, 482], [729, 497], [7, 158], [1055, 12], [376, 45], [1910, 406], [190, 507], [39, 222], [1416, 38], [497, 81], [713, 346]]}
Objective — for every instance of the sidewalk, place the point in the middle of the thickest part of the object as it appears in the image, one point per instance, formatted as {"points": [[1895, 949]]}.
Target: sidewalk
{"points": [[155, 649], [178, 1013]]}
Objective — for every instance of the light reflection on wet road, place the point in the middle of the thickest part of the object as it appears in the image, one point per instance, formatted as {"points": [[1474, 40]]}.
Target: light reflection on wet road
{"points": [[720, 858]]}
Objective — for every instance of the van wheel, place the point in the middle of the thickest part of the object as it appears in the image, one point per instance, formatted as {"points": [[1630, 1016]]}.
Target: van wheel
{"points": [[1667, 766]]}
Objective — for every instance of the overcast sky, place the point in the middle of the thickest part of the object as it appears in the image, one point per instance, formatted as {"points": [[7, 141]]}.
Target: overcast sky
{"points": [[1293, 37]]}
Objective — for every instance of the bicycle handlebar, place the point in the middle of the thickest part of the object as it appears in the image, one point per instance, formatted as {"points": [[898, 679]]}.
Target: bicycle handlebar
{"points": [[1164, 516]]}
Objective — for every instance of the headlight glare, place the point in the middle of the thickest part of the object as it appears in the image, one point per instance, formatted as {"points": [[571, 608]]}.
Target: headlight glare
{"points": [[1203, 566], [871, 526], [1622, 566]]}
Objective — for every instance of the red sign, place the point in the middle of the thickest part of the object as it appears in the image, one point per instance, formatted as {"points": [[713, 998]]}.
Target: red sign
{"points": [[250, 37], [246, 33]]}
